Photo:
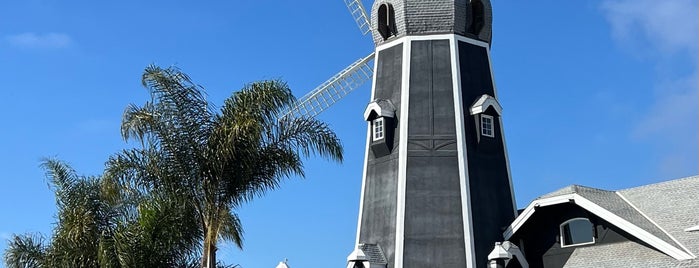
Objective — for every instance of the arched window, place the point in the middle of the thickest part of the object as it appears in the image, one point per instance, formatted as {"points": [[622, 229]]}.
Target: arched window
{"points": [[576, 232], [386, 21], [477, 17]]}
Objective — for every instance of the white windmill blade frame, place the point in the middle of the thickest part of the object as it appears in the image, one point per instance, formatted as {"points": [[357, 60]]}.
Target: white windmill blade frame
{"points": [[359, 15], [332, 90]]}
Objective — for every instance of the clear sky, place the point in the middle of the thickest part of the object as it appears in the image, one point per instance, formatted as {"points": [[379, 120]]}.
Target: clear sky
{"points": [[598, 93]]}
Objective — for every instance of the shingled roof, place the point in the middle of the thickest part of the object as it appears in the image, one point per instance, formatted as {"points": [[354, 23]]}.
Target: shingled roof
{"points": [[658, 214]]}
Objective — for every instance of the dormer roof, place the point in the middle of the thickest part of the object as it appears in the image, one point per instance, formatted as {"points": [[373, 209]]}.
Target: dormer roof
{"points": [[483, 103], [381, 107]]}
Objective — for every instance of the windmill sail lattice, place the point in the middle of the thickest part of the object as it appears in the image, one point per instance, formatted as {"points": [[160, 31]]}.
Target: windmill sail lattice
{"points": [[359, 14], [333, 89]]}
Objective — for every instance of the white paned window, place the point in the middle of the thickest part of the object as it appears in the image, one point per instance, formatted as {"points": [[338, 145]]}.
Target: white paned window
{"points": [[378, 127], [576, 232], [487, 126]]}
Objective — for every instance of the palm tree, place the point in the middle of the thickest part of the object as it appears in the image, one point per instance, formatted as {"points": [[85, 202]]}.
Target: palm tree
{"points": [[216, 161], [97, 229], [82, 219]]}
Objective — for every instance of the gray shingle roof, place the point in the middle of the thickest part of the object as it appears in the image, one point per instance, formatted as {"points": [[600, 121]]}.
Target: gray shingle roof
{"points": [[672, 205], [613, 203], [625, 254], [660, 209], [374, 253]]}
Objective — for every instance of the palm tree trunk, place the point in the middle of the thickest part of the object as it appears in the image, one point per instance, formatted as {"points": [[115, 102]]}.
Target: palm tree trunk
{"points": [[208, 259]]}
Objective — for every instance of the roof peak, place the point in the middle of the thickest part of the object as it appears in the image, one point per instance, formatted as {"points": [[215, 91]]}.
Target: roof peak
{"points": [[571, 189]]}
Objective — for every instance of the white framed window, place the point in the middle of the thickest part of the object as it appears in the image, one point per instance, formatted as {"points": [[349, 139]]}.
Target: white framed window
{"points": [[379, 129], [487, 126], [577, 232]]}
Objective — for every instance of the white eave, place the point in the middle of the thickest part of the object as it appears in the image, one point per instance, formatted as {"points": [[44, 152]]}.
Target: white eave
{"points": [[383, 108], [605, 214], [482, 104]]}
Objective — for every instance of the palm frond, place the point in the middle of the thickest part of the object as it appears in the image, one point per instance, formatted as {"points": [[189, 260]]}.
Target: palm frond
{"points": [[59, 174], [25, 251], [231, 228]]}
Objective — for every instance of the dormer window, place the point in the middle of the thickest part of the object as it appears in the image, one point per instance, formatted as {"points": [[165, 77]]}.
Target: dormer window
{"points": [[380, 114], [486, 108], [577, 232], [487, 126], [378, 128]]}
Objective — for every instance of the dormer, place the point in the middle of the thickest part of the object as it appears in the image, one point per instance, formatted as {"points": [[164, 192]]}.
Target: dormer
{"points": [[381, 114], [487, 112]]}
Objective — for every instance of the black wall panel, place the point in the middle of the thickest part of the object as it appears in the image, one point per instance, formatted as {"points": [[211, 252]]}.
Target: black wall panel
{"points": [[379, 207], [433, 221]]}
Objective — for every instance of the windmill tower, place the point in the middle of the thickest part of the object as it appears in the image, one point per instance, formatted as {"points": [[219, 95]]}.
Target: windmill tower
{"points": [[436, 188]]}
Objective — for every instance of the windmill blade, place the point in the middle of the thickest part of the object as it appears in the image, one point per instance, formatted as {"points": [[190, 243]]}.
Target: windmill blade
{"points": [[332, 90], [358, 12]]}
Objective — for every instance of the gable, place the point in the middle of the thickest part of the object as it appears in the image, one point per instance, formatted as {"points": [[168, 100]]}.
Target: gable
{"points": [[613, 208]]}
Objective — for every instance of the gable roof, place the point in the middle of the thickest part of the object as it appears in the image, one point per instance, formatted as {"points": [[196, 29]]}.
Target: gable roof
{"points": [[632, 211], [672, 205], [482, 104]]}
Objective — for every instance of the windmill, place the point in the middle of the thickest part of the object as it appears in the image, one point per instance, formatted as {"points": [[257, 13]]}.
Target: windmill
{"points": [[436, 186], [338, 86]]}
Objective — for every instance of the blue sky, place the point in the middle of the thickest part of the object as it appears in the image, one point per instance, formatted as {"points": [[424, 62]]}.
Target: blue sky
{"points": [[598, 93]]}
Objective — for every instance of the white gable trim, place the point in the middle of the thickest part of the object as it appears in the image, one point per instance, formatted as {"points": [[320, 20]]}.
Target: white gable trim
{"points": [[599, 211], [375, 107], [529, 211], [656, 225], [692, 229], [483, 103]]}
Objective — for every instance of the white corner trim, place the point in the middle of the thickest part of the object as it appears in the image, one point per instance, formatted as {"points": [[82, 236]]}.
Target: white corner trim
{"points": [[656, 224], [472, 41], [483, 103], [402, 153], [366, 154], [464, 185]]}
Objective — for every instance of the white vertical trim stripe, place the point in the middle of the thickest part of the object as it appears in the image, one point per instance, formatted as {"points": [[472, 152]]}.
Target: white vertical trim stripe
{"points": [[366, 154], [402, 154], [462, 156]]}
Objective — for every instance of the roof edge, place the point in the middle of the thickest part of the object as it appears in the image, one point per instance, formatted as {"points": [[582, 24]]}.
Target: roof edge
{"points": [[656, 224], [607, 215]]}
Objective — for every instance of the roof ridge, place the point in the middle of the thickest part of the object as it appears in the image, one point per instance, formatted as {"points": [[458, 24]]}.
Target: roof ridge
{"points": [[570, 189], [693, 177], [656, 224]]}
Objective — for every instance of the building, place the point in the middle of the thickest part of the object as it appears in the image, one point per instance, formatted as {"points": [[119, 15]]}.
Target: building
{"points": [[437, 189], [655, 225]]}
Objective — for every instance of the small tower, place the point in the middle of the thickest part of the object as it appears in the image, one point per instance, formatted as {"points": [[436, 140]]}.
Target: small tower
{"points": [[436, 189]]}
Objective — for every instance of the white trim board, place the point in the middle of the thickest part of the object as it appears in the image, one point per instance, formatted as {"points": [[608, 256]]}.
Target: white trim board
{"points": [[465, 190], [599, 211], [366, 155], [402, 153]]}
